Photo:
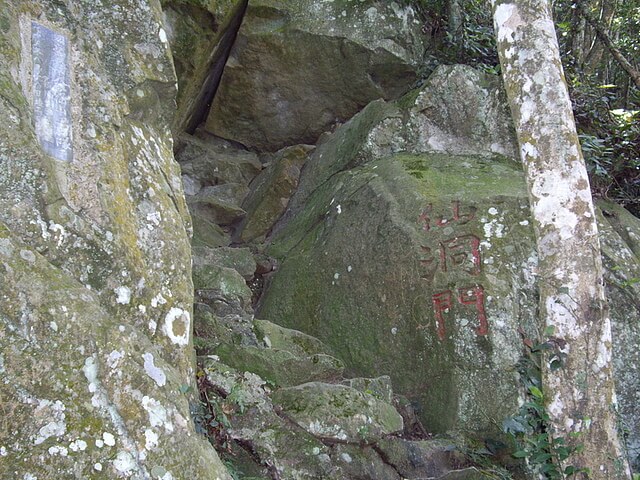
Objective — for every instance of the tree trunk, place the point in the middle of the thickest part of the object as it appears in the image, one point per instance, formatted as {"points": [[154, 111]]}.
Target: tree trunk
{"points": [[580, 394], [594, 61], [454, 14], [604, 37], [578, 46]]}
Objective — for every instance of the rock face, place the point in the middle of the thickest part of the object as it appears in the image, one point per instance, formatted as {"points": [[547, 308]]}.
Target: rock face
{"points": [[441, 277], [95, 344], [298, 67]]}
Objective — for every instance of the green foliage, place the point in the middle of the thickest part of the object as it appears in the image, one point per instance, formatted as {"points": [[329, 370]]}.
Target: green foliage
{"points": [[610, 140], [475, 43], [606, 103], [472, 44], [546, 454]]}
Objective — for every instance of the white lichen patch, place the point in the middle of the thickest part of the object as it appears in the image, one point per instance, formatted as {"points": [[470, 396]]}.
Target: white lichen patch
{"points": [[155, 373], [162, 35], [494, 228], [603, 357], [108, 439], [113, 359], [54, 412], [78, 446], [58, 450], [123, 295], [506, 18], [158, 416], [59, 230], [28, 255], [177, 326], [556, 407], [158, 300], [150, 439], [124, 462]]}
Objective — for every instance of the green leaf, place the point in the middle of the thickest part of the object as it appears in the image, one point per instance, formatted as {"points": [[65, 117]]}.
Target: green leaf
{"points": [[535, 391], [520, 454], [541, 458], [549, 331]]}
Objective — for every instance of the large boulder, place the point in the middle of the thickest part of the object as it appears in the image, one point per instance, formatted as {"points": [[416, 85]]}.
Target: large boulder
{"points": [[300, 66], [441, 277], [96, 358]]}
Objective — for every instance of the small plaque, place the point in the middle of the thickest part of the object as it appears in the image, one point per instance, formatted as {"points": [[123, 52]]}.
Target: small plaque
{"points": [[51, 92]]}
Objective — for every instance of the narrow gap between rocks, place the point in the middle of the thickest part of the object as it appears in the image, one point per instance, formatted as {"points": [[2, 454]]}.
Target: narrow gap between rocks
{"points": [[277, 401]]}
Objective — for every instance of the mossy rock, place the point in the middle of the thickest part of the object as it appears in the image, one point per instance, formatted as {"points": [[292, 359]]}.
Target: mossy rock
{"points": [[379, 387], [239, 259], [207, 233], [281, 367], [270, 193], [362, 462], [338, 412], [422, 458], [227, 281], [266, 101], [220, 204], [371, 299], [294, 341]]}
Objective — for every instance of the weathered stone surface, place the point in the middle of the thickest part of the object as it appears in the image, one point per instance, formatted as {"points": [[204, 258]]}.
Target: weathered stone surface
{"points": [[338, 412], [201, 34], [443, 273], [281, 367], [208, 234], [208, 161], [219, 204], [353, 52], [415, 124], [618, 232], [471, 473], [379, 387], [463, 372], [212, 330], [270, 193], [294, 341], [421, 459], [291, 452], [240, 259], [96, 292], [362, 463], [221, 288]]}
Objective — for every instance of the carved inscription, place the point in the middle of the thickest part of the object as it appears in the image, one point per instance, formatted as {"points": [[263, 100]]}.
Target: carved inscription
{"points": [[443, 301], [51, 92], [458, 254], [440, 221]]}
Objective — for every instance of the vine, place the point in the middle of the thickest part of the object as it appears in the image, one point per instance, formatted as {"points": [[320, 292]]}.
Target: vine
{"points": [[546, 454]]}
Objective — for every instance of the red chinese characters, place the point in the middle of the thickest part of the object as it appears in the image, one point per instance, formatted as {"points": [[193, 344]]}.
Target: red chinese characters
{"points": [[443, 302], [459, 254], [463, 252], [441, 221]]}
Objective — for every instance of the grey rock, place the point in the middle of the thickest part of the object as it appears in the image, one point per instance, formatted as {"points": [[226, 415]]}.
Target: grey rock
{"points": [[338, 412], [266, 101]]}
